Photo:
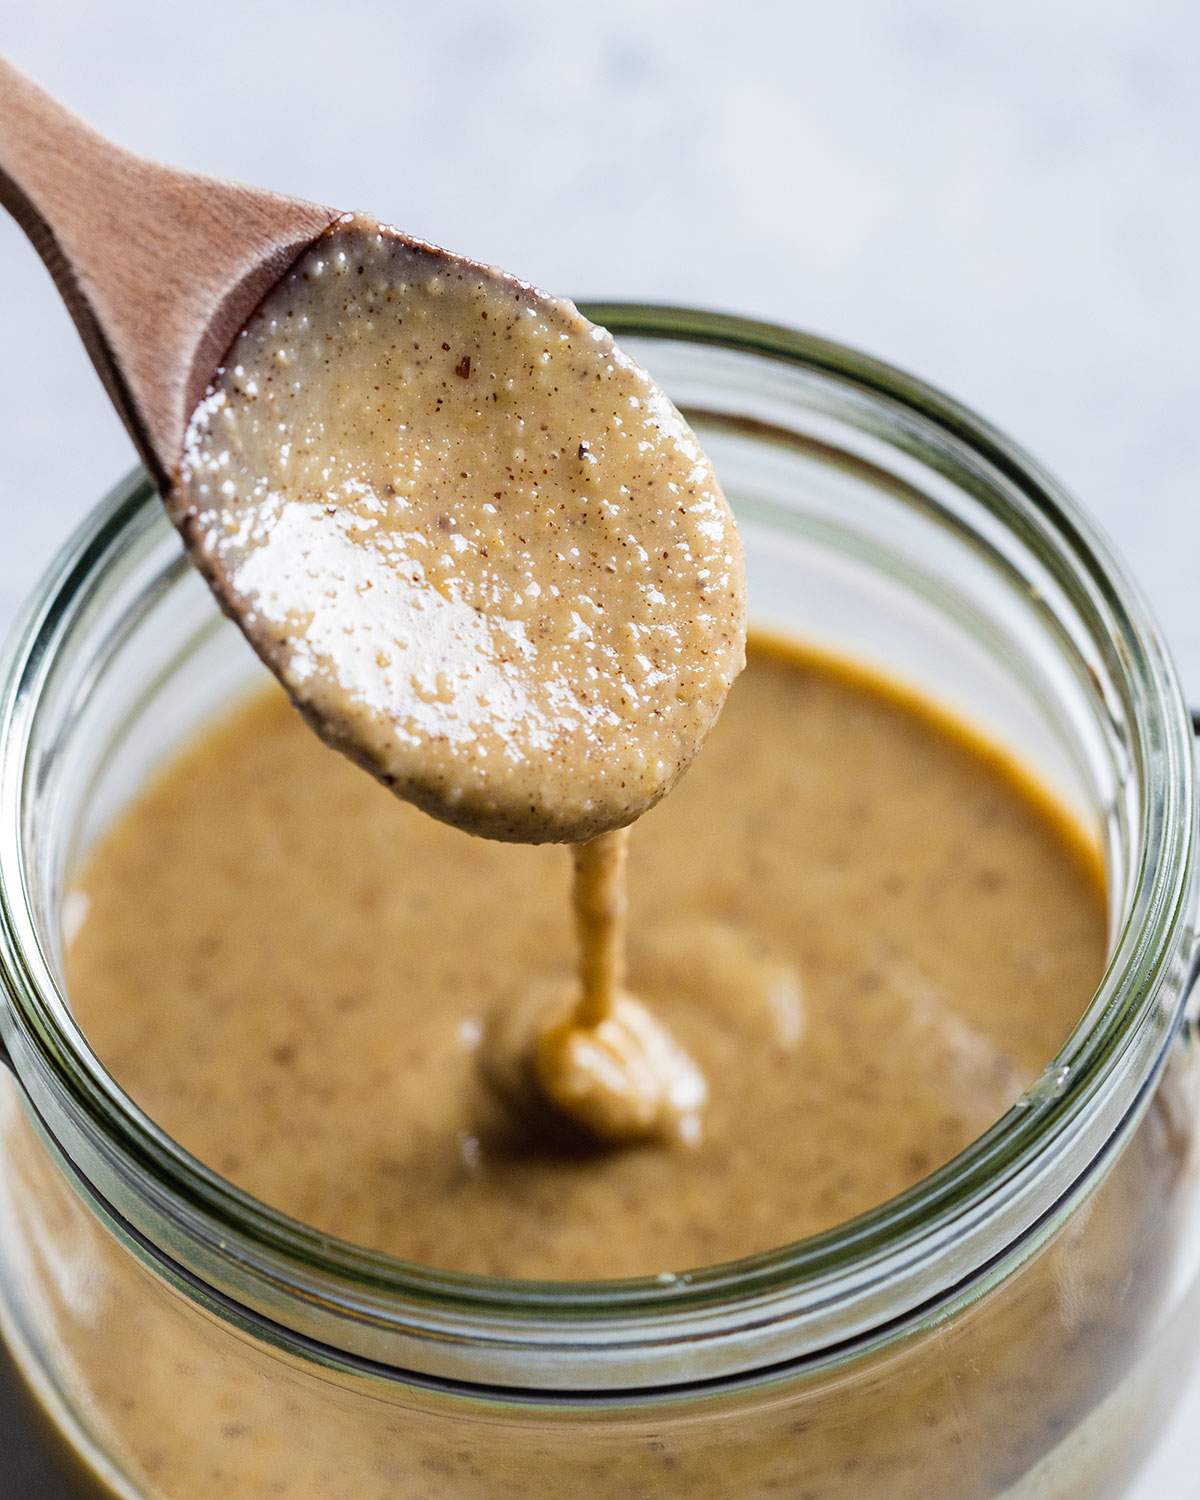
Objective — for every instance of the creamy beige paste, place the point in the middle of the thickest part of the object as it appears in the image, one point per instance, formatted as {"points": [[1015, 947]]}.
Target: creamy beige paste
{"points": [[867, 936], [867, 930], [489, 561], [479, 546]]}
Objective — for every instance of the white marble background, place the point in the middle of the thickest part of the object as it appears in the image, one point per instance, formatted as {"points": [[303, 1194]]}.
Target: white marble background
{"points": [[1004, 198]]}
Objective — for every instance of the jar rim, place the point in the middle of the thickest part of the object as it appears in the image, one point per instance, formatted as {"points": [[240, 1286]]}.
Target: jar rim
{"points": [[793, 1286]]}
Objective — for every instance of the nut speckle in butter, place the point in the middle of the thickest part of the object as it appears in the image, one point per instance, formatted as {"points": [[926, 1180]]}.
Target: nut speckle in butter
{"points": [[483, 551]]}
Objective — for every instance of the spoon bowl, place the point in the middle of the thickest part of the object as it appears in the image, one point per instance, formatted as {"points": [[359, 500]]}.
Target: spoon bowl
{"points": [[478, 545]]}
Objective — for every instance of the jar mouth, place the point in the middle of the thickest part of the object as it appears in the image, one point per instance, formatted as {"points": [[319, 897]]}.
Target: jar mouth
{"points": [[797, 1296]]}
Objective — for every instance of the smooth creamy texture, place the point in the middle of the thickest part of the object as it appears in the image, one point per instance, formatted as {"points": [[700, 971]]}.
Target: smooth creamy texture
{"points": [[597, 1054], [1033, 1393], [479, 546], [868, 935], [861, 931]]}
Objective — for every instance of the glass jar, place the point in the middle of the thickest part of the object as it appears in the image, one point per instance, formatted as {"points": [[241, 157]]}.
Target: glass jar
{"points": [[1013, 1325]]}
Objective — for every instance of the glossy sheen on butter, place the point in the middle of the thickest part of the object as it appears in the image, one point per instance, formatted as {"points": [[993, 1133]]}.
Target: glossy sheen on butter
{"points": [[481, 548], [865, 936]]}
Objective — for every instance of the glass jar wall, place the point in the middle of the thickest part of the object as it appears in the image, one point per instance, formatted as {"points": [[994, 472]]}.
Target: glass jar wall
{"points": [[1014, 1323]]}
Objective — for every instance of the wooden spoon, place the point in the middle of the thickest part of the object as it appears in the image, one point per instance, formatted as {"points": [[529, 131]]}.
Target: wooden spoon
{"points": [[538, 724], [427, 626], [159, 268]]}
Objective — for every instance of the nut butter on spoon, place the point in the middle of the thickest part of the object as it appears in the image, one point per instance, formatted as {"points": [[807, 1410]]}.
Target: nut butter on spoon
{"points": [[477, 544]]}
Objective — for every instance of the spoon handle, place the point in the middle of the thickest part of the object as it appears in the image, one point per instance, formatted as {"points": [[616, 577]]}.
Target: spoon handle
{"points": [[159, 268]]}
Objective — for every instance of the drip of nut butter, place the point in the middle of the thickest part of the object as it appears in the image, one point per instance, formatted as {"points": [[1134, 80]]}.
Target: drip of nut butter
{"points": [[489, 561], [604, 1060]]}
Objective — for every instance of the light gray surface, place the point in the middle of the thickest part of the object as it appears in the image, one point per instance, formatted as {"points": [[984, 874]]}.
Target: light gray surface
{"points": [[1005, 199]]}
